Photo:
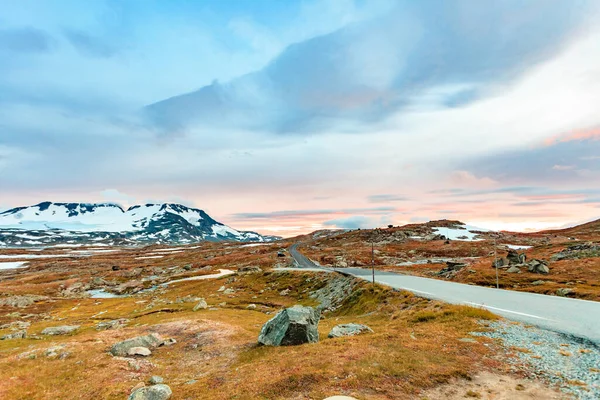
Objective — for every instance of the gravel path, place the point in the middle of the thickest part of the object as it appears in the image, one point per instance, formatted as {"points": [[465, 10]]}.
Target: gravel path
{"points": [[570, 363]]}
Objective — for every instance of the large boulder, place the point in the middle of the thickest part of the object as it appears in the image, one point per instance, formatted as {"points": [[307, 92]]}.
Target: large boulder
{"points": [[149, 341], [349, 330], [538, 266], [292, 326], [60, 330], [515, 258], [154, 392]]}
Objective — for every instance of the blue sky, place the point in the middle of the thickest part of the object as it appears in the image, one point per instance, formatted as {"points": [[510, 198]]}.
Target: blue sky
{"points": [[288, 116]]}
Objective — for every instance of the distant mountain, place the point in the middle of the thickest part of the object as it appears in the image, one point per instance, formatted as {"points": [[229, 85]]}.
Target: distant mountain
{"points": [[109, 224]]}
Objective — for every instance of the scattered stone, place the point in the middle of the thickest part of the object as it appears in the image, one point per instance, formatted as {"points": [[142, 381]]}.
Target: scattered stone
{"points": [[537, 283], [154, 380], [250, 269], [202, 305], [16, 324], [149, 341], [564, 291], [139, 351], [221, 289], [116, 268], [169, 342], [60, 330], [468, 340], [292, 326], [514, 270], [113, 324], [285, 292], [251, 306], [15, 335], [154, 392], [349, 330], [187, 267], [191, 382], [229, 291]]}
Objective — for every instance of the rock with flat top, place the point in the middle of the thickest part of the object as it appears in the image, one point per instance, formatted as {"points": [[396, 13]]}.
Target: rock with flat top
{"points": [[154, 392], [202, 305], [60, 330], [149, 341]]}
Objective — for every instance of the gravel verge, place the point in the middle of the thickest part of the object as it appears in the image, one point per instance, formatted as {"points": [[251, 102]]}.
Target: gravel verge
{"points": [[568, 362]]}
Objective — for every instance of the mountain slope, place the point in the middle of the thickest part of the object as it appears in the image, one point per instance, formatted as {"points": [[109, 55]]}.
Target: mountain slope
{"points": [[51, 223]]}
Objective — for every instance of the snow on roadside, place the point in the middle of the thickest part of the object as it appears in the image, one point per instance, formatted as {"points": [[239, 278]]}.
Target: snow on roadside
{"points": [[12, 265]]}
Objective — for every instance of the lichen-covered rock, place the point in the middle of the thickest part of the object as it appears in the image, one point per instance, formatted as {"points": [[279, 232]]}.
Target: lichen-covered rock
{"points": [[349, 330], [149, 341], [21, 301], [15, 335], [538, 266], [292, 326], [139, 351], [154, 392], [113, 324], [60, 330]]}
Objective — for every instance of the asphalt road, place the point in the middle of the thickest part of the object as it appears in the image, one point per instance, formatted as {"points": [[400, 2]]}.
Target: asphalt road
{"points": [[579, 318]]}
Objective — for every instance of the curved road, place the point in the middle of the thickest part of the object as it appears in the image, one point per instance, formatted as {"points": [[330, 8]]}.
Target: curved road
{"points": [[579, 318]]}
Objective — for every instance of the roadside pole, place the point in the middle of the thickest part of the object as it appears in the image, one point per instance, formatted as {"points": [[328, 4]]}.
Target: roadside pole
{"points": [[373, 258], [496, 263]]}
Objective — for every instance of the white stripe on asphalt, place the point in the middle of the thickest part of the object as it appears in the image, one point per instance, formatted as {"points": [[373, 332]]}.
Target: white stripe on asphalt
{"points": [[508, 311]]}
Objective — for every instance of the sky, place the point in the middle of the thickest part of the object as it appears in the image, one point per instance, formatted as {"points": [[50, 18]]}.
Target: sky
{"points": [[286, 117]]}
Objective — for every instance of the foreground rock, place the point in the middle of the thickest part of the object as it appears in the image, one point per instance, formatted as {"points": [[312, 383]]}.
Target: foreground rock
{"points": [[60, 330], [149, 341], [292, 326], [155, 392], [349, 330]]}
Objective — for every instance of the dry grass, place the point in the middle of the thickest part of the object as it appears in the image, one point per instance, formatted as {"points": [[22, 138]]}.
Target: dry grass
{"points": [[415, 345]]}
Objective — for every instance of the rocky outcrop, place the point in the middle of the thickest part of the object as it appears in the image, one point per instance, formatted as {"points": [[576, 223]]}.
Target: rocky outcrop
{"points": [[349, 330], [580, 250], [154, 392], [60, 330], [149, 341], [292, 326], [515, 258], [332, 295]]}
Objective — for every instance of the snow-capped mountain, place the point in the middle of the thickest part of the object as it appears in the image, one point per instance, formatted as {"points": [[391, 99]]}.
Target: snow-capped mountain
{"points": [[52, 223]]}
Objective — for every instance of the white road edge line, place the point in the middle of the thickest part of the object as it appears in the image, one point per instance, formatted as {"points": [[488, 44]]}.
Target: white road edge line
{"points": [[508, 311]]}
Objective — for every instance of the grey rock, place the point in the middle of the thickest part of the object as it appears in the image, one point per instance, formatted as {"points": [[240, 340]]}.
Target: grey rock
{"points": [[514, 270], [229, 291], [15, 335], [292, 326], [202, 305], [349, 330], [537, 283], [122, 348], [113, 324], [250, 269], [154, 380], [564, 291], [154, 392], [21, 301], [285, 292], [60, 330], [538, 266], [251, 306]]}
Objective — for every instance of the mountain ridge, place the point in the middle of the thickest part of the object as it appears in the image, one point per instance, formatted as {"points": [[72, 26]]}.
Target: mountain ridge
{"points": [[111, 224]]}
